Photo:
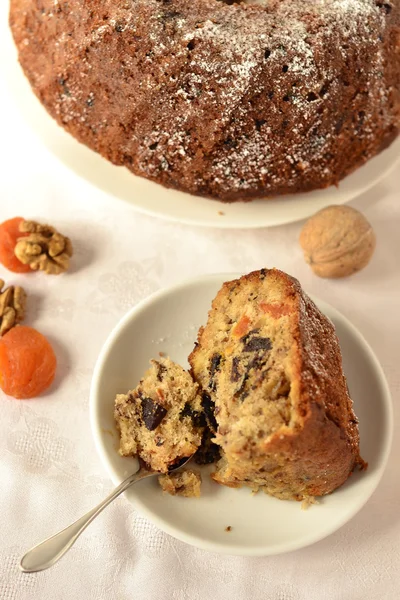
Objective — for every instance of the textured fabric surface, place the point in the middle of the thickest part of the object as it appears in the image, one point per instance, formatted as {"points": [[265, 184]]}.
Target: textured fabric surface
{"points": [[49, 471]]}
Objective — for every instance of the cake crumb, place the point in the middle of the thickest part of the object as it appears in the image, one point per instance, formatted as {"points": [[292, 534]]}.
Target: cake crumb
{"points": [[181, 483], [108, 431], [309, 501], [162, 354], [228, 528], [221, 213]]}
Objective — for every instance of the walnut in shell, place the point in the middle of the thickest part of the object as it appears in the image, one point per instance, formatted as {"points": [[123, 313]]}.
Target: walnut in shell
{"points": [[12, 307], [44, 249], [337, 241]]}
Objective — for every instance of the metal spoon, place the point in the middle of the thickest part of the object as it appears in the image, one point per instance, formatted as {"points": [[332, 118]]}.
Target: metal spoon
{"points": [[50, 551]]}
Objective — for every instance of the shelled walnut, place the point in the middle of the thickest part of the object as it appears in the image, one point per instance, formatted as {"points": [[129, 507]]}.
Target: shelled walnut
{"points": [[337, 241], [12, 307], [44, 249]]}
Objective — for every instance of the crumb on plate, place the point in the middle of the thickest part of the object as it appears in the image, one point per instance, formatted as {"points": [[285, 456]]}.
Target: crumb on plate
{"points": [[185, 483]]}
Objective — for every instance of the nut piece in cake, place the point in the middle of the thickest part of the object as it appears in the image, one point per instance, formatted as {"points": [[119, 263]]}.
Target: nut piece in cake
{"points": [[337, 241], [185, 483], [270, 363], [161, 420]]}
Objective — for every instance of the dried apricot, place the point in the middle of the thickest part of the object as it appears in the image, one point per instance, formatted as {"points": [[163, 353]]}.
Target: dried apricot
{"points": [[242, 326], [9, 234], [275, 310], [27, 363]]}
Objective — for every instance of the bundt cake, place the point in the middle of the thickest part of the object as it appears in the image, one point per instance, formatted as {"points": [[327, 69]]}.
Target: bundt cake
{"points": [[269, 363], [230, 101], [161, 420]]}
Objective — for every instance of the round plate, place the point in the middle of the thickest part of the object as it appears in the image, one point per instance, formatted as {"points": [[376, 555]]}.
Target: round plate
{"points": [[261, 525], [151, 198]]}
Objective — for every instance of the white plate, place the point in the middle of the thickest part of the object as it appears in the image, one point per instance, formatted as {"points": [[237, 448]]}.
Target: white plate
{"points": [[153, 199], [261, 525]]}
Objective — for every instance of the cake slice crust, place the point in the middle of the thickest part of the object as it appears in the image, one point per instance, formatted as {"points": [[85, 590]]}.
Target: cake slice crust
{"points": [[270, 364]]}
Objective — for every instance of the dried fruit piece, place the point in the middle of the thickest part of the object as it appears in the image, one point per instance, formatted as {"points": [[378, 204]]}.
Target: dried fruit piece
{"points": [[257, 343], [152, 413], [214, 368], [275, 310], [9, 235], [208, 406], [235, 372], [43, 248], [197, 417], [242, 392], [27, 363], [12, 307], [242, 326], [208, 451]]}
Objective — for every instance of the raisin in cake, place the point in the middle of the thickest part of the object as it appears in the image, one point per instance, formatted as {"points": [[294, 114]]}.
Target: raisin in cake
{"points": [[269, 362], [161, 420], [227, 100]]}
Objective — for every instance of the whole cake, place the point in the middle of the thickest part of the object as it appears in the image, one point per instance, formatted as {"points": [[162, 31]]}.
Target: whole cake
{"points": [[269, 361], [230, 101]]}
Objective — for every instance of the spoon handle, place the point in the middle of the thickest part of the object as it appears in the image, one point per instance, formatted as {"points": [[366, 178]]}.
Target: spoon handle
{"points": [[47, 553]]}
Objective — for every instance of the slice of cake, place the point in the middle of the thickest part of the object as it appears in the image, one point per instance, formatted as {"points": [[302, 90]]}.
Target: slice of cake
{"points": [[161, 420], [270, 368]]}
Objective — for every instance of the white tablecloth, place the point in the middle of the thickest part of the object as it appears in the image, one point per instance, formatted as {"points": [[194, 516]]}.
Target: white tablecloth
{"points": [[50, 473]]}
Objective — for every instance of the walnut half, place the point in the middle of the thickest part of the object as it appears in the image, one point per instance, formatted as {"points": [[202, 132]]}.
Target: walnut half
{"points": [[12, 307], [44, 249]]}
